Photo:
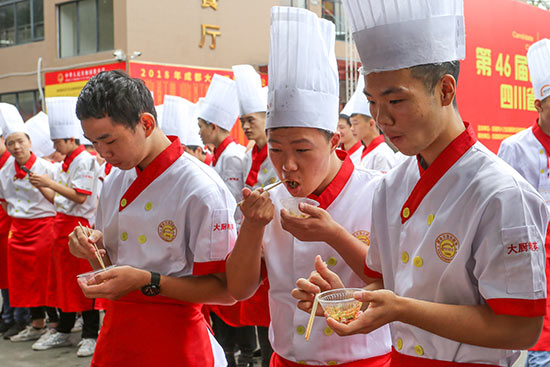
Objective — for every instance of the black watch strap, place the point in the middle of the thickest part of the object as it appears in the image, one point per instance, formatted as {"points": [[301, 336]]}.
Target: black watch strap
{"points": [[153, 288], [155, 279]]}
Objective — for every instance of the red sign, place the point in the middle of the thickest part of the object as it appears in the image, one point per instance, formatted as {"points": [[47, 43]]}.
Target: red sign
{"points": [[495, 93], [188, 82]]}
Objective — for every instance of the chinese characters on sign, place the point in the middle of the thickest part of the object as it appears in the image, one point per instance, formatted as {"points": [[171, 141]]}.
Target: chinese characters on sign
{"points": [[512, 96], [210, 30]]}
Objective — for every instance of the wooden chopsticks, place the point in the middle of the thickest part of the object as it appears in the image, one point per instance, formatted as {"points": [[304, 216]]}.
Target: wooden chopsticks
{"points": [[87, 232], [312, 317], [272, 186]]}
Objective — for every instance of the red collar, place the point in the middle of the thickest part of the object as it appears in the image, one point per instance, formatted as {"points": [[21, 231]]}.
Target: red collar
{"points": [[208, 159], [258, 157], [354, 148], [108, 168], [70, 158], [160, 164], [373, 144], [19, 173], [219, 150], [444, 161], [4, 158], [541, 137], [337, 184]]}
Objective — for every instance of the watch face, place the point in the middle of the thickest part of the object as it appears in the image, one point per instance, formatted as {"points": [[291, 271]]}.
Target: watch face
{"points": [[150, 290]]}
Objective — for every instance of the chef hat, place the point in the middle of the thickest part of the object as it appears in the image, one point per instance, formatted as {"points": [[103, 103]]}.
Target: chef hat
{"points": [[192, 125], [221, 105], [175, 112], [11, 120], [249, 90], [39, 132], [159, 110], [64, 123], [538, 58], [358, 102], [303, 76], [392, 35]]}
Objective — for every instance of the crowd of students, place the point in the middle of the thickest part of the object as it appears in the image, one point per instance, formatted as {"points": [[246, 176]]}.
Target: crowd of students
{"points": [[196, 255]]}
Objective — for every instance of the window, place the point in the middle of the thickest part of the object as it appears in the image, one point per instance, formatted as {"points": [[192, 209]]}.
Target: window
{"points": [[295, 3], [85, 27], [21, 21], [28, 102], [333, 10]]}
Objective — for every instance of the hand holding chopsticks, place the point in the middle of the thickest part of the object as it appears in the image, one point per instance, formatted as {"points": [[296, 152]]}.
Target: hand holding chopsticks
{"points": [[87, 231], [266, 189]]}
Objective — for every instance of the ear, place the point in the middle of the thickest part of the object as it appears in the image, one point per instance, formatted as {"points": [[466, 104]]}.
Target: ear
{"points": [[538, 105], [334, 141], [147, 121], [447, 89]]}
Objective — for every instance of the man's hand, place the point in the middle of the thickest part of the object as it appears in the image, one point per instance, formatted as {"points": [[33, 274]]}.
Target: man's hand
{"points": [[115, 283], [318, 227], [257, 207], [382, 309], [320, 280], [40, 180], [81, 245]]}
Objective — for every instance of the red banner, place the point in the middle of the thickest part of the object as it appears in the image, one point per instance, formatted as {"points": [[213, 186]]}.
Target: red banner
{"points": [[495, 93], [188, 82]]}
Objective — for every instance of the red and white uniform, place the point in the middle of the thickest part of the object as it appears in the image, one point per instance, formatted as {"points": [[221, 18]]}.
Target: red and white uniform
{"points": [[454, 234], [79, 172], [355, 152], [288, 259], [228, 162], [258, 170], [378, 155], [528, 153], [31, 232], [5, 222], [176, 218]]}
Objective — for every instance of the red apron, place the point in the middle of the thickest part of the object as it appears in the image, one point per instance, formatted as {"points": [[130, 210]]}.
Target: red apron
{"points": [[402, 360], [63, 290], [29, 248], [153, 331], [5, 222], [378, 361]]}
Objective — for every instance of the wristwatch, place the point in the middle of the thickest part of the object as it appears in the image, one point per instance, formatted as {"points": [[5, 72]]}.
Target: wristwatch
{"points": [[153, 288]]}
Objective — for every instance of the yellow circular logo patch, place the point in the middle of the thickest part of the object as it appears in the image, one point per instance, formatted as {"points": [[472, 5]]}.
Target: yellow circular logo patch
{"points": [[167, 230], [446, 246], [363, 236]]}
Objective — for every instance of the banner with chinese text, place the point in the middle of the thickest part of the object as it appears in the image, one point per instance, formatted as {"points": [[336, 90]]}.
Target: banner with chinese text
{"points": [[494, 88], [189, 82], [69, 83]]}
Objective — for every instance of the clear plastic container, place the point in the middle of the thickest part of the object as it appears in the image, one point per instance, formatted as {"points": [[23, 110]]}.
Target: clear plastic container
{"points": [[291, 204], [340, 305], [86, 277]]}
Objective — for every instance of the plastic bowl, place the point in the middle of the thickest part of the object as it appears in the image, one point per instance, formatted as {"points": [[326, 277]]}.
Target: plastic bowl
{"points": [[340, 304], [86, 277], [291, 204]]}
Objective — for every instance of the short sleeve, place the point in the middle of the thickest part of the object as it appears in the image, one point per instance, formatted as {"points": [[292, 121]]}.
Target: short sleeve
{"points": [[373, 263], [232, 175], [213, 231], [510, 254], [82, 180]]}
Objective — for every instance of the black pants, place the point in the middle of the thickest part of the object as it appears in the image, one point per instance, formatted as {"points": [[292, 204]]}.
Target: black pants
{"points": [[38, 313], [234, 338], [90, 327], [265, 345]]}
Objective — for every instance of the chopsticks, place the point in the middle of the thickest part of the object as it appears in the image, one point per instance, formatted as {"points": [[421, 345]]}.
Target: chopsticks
{"points": [[87, 232], [272, 186], [312, 317]]}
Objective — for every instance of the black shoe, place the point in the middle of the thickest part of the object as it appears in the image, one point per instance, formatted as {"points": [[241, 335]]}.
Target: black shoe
{"points": [[257, 353], [230, 357], [5, 326], [245, 360], [14, 330]]}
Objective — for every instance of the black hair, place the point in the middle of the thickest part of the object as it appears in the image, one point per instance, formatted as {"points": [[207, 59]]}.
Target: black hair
{"points": [[344, 117], [116, 95], [76, 141], [193, 147], [431, 74], [212, 123]]}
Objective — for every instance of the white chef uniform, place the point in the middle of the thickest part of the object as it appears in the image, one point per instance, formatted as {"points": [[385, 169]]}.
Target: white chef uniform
{"points": [[450, 234], [378, 155], [297, 98], [493, 255], [175, 217], [221, 107]]}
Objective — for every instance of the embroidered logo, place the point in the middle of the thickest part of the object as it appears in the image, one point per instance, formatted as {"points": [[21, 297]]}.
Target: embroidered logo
{"points": [[223, 227], [446, 246], [522, 247], [363, 236], [167, 230]]}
